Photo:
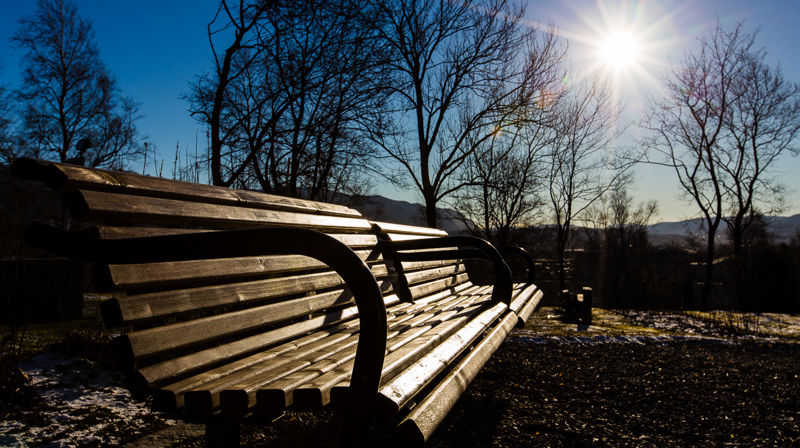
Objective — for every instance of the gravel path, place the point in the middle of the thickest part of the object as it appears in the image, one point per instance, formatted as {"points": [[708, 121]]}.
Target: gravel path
{"points": [[682, 393]]}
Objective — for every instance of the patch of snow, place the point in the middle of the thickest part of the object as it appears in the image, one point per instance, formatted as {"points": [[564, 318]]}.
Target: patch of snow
{"points": [[524, 336], [84, 405]]}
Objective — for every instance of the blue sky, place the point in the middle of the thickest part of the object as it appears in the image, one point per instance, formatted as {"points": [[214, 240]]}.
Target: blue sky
{"points": [[155, 49]]}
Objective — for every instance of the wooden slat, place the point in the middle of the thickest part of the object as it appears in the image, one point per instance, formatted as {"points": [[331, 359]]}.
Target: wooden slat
{"points": [[151, 347], [409, 346], [171, 396], [208, 329], [243, 396], [172, 368], [205, 399], [311, 388], [149, 275], [128, 209], [238, 392], [142, 307], [416, 277], [411, 266], [117, 232], [75, 177], [467, 291], [418, 426], [458, 290], [403, 237], [530, 298], [388, 227], [439, 285], [354, 240], [396, 393]]}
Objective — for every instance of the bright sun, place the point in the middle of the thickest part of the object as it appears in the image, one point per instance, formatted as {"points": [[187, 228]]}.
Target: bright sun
{"points": [[623, 42], [619, 51]]}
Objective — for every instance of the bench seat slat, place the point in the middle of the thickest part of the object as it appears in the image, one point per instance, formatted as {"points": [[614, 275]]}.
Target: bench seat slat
{"points": [[205, 399], [217, 379], [172, 394], [317, 393], [524, 302], [314, 390], [460, 289], [117, 208], [242, 393], [238, 394], [418, 426], [404, 350], [396, 393], [155, 305], [212, 381]]}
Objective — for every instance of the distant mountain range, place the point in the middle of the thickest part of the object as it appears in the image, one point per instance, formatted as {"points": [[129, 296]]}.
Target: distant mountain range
{"points": [[782, 228], [380, 208]]}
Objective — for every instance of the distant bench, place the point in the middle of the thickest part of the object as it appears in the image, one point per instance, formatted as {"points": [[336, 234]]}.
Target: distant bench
{"points": [[235, 304]]}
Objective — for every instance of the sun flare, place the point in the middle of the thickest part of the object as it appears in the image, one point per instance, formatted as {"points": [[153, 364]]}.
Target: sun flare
{"points": [[619, 51], [622, 42]]}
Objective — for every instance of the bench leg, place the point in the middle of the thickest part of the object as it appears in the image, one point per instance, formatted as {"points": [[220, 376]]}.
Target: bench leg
{"points": [[223, 432]]}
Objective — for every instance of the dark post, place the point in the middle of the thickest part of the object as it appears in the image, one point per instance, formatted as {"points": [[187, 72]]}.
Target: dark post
{"points": [[585, 313]]}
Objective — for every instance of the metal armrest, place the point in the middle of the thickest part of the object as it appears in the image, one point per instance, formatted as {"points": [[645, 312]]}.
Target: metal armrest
{"points": [[477, 248], [529, 278], [253, 242]]}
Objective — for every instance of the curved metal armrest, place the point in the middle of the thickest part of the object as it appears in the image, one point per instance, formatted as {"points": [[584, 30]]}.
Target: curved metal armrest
{"points": [[529, 278], [479, 249], [253, 242]]}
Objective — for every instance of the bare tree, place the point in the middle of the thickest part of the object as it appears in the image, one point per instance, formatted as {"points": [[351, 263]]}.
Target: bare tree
{"points": [[329, 79], [580, 164], [71, 102], [208, 94], [503, 179], [622, 228], [726, 118], [762, 124], [287, 109], [8, 138], [502, 176], [460, 70]]}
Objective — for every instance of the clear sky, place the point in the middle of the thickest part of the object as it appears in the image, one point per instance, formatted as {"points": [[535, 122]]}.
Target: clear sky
{"points": [[155, 49]]}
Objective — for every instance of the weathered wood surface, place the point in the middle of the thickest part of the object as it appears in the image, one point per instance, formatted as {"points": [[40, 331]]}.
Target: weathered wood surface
{"points": [[399, 391], [71, 177], [400, 229], [152, 275], [116, 208], [418, 426], [161, 304]]}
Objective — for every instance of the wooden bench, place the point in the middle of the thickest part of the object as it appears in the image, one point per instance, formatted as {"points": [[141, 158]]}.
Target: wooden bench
{"points": [[232, 304]]}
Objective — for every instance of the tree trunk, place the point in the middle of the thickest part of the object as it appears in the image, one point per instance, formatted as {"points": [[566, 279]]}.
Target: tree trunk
{"points": [[430, 208]]}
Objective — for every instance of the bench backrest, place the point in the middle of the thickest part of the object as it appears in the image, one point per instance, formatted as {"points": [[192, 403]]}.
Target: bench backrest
{"points": [[184, 316], [423, 279]]}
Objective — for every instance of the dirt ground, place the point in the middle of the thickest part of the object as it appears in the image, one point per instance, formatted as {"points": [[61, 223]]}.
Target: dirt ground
{"points": [[629, 379]]}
